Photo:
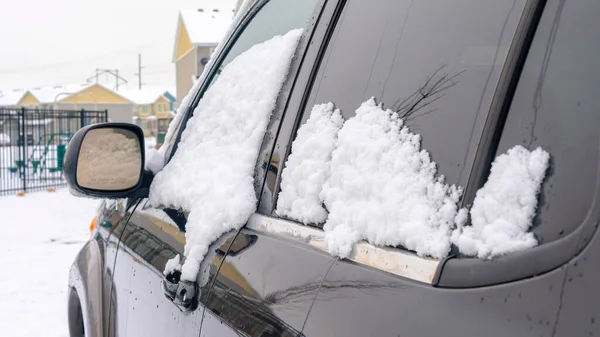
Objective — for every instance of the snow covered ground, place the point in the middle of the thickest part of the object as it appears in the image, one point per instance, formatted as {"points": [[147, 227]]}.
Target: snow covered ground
{"points": [[41, 234]]}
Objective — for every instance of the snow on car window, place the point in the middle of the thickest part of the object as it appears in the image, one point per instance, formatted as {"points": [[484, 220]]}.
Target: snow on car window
{"points": [[307, 167], [504, 208], [211, 173], [384, 188], [379, 185]]}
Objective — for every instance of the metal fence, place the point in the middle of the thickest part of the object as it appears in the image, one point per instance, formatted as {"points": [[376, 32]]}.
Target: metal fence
{"points": [[33, 144]]}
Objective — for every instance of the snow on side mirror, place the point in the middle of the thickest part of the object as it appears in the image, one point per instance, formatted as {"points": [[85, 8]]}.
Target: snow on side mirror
{"points": [[107, 161]]}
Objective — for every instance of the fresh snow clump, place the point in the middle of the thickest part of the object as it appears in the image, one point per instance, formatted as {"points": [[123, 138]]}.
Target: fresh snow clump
{"points": [[211, 173], [172, 265], [383, 188], [307, 167], [504, 207], [154, 160]]}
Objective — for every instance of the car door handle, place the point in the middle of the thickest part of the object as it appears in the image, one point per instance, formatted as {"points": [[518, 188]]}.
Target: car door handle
{"points": [[182, 293]]}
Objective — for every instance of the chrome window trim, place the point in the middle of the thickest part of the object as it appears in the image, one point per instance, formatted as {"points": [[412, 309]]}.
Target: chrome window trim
{"points": [[392, 260]]}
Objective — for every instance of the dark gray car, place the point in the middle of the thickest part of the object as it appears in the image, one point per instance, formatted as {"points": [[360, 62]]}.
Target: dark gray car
{"points": [[477, 77]]}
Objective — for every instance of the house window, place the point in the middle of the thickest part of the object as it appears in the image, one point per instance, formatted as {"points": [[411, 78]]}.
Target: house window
{"points": [[145, 109], [160, 108]]}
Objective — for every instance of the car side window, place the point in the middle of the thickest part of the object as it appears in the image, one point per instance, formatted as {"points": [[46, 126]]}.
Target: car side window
{"points": [[275, 17], [557, 106], [436, 63]]}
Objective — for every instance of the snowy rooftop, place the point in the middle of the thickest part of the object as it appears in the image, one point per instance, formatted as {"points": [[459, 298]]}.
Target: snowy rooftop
{"points": [[207, 26], [50, 94], [9, 98], [146, 95]]}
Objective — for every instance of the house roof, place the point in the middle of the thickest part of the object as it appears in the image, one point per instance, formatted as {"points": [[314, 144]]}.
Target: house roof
{"points": [[49, 94], [147, 95], [207, 26], [11, 98]]}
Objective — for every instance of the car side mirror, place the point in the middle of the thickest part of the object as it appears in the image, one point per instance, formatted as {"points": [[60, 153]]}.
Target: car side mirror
{"points": [[107, 161]]}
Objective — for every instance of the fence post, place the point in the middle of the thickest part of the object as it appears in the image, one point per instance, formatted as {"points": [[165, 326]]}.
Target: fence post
{"points": [[82, 118], [105, 116], [23, 159]]}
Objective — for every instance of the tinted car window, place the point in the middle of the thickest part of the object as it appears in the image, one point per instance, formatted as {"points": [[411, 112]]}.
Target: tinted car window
{"points": [[557, 106], [275, 17], [435, 61]]}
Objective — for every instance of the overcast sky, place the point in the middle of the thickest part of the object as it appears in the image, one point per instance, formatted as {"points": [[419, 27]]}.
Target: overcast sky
{"points": [[53, 42]]}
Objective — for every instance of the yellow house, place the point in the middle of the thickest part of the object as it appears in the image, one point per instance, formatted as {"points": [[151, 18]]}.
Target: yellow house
{"points": [[198, 34], [153, 109], [98, 97], [17, 99]]}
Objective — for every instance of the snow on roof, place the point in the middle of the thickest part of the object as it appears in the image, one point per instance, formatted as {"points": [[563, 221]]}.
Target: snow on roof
{"points": [[57, 93], [10, 98], [206, 27], [147, 95]]}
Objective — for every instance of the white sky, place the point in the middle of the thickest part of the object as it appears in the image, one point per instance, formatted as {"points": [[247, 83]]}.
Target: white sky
{"points": [[53, 42]]}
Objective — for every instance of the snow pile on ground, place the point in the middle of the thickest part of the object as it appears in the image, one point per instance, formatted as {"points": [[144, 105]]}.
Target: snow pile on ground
{"points": [[505, 206], [307, 167], [109, 160], [383, 188], [41, 235], [211, 174]]}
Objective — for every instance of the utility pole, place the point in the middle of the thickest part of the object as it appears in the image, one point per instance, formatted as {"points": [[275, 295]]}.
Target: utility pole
{"points": [[97, 75], [139, 73]]}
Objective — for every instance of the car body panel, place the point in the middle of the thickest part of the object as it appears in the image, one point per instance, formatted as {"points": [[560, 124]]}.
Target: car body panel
{"points": [[91, 274], [357, 300], [85, 279], [150, 239], [272, 291]]}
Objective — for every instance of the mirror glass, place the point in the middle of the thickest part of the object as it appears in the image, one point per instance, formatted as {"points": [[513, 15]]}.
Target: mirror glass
{"points": [[110, 159]]}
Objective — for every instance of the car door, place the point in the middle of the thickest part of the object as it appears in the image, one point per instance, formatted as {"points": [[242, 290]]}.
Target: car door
{"points": [[154, 235], [548, 290], [441, 66]]}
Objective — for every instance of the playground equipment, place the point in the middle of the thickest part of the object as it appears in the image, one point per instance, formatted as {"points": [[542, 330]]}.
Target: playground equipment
{"points": [[46, 155]]}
